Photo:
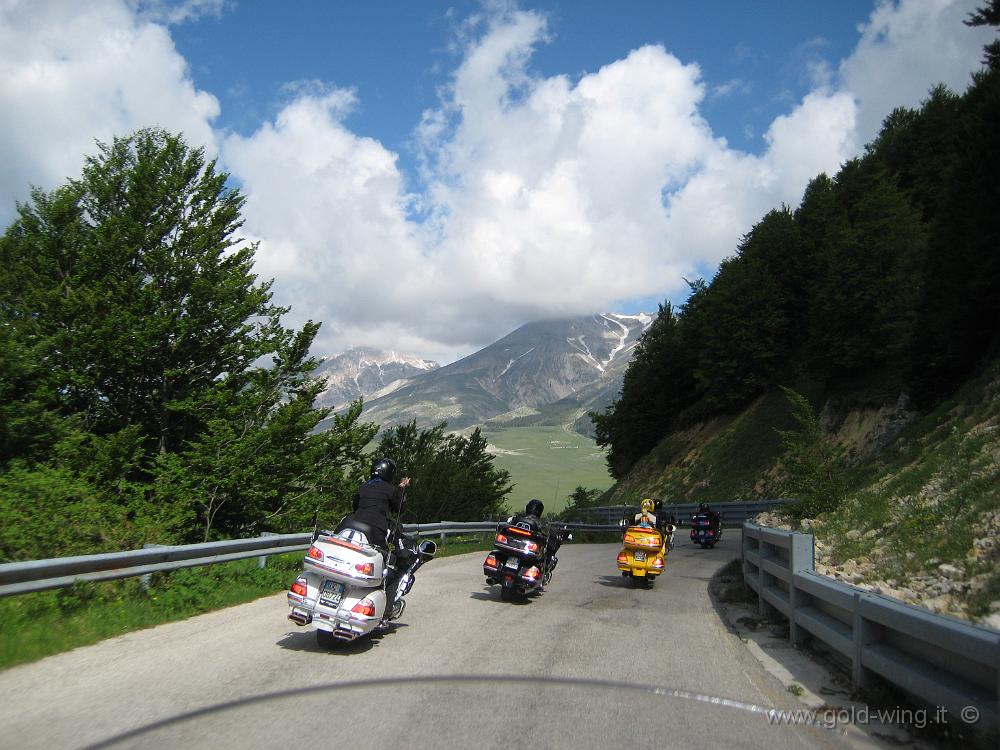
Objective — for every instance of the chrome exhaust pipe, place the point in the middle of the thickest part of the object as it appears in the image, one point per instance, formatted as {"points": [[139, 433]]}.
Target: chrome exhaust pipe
{"points": [[300, 618]]}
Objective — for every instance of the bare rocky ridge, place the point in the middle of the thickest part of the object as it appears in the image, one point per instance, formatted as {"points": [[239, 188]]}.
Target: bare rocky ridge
{"points": [[361, 372], [549, 370]]}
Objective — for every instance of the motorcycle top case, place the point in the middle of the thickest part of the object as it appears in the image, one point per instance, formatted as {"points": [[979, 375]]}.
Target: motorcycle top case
{"points": [[520, 539], [641, 538], [345, 561]]}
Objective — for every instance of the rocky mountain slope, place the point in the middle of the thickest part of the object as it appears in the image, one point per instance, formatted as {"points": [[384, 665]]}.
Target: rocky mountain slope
{"points": [[553, 370], [920, 520], [361, 372]]}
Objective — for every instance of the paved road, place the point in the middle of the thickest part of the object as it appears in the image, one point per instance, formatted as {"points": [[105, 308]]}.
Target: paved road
{"points": [[576, 663]]}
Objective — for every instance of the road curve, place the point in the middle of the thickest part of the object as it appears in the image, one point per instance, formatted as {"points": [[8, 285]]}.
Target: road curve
{"points": [[589, 663]]}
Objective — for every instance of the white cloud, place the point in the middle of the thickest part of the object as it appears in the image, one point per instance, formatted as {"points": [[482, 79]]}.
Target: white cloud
{"points": [[72, 73], [904, 50], [543, 196]]}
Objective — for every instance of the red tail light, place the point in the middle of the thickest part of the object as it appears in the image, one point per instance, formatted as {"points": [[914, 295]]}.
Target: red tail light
{"points": [[315, 553], [491, 562], [365, 568], [532, 547], [629, 539], [532, 573], [299, 587], [658, 562], [516, 530], [622, 557], [501, 539], [365, 607]]}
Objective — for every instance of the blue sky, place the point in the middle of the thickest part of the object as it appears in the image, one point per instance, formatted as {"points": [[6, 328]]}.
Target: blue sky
{"points": [[425, 177]]}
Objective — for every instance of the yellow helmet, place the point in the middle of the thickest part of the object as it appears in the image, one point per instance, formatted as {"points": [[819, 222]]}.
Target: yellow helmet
{"points": [[647, 505]]}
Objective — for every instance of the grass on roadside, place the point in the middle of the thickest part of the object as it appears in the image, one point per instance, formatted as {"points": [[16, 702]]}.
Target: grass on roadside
{"points": [[33, 626]]}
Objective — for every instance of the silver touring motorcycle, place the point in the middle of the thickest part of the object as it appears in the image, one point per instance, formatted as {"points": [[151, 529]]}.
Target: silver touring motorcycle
{"points": [[341, 592]]}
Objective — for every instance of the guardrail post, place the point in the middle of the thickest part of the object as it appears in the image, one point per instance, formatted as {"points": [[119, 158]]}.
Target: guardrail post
{"points": [[863, 633], [262, 561], [764, 550], [146, 578], [800, 558]]}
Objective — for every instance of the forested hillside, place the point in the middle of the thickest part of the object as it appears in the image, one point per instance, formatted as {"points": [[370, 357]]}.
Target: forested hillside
{"points": [[848, 355], [885, 280]]}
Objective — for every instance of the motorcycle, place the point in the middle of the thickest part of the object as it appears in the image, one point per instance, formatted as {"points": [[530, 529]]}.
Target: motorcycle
{"points": [[705, 530], [518, 562], [643, 555], [341, 592]]}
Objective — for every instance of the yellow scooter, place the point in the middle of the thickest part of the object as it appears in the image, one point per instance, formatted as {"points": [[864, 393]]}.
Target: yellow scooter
{"points": [[644, 555]]}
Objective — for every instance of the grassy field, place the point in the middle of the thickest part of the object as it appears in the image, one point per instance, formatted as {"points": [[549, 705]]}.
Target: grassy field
{"points": [[547, 463]]}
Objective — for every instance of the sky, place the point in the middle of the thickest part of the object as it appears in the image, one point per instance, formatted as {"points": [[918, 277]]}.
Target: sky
{"points": [[426, 177]]}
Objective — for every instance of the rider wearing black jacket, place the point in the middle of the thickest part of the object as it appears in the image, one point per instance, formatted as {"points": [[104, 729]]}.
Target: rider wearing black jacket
{"points": [[377, 497], [373, 502]]}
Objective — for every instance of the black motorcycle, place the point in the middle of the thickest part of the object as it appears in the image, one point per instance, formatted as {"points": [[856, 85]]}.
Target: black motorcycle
{"points": [[523, 558], [706, 529]]}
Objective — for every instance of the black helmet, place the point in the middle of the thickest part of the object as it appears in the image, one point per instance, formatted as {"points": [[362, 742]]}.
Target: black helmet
{"points": [[534, 508], [703, 506], [384, 469], [657, 504]]}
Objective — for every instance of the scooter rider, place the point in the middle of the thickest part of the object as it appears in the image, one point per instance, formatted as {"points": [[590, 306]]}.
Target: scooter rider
{"points": [[372, 504]]}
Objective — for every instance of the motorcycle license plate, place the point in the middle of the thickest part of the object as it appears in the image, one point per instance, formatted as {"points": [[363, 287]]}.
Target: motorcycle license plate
{"points": [[640, 556], [511, 563], [331, 594]]}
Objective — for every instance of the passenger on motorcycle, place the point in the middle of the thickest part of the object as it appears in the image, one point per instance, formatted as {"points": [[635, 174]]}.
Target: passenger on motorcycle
{"points": [[645, 516], [372, 503]]}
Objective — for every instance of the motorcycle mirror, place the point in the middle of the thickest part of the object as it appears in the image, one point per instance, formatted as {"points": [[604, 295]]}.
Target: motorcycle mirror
{"points": [[427, 548], [569, 537]]}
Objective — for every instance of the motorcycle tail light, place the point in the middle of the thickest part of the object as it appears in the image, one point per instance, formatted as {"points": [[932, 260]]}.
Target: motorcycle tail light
{"points": [[299, 587], [491, 562], [622, 557], [501, 539], [532, 573], [365, 607], [658, 562], [315, 553], [532, 547], [365, 568], [629, 539]]}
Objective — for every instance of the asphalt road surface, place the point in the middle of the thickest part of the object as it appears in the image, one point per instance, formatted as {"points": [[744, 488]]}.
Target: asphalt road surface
{"points": [[589, 663]]}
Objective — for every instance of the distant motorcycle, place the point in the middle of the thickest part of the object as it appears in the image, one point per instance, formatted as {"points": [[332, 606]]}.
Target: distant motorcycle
{"points": [[341, 592], [706, 530], [518, 562]]}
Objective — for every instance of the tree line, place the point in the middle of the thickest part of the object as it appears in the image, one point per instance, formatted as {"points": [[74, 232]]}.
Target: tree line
{"points": [[149, 391], [885, 277]]}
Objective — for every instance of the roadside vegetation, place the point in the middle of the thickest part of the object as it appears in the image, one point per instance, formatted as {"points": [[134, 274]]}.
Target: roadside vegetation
{"points": [[33, 626]]}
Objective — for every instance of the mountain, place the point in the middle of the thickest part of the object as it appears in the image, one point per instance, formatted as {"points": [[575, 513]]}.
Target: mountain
{"points": [[543, 371], [363, 372]]}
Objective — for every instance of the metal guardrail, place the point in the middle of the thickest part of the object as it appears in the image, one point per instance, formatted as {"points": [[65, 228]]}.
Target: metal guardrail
{"points": [[936, 660], [733, 512], [60, 572]]}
